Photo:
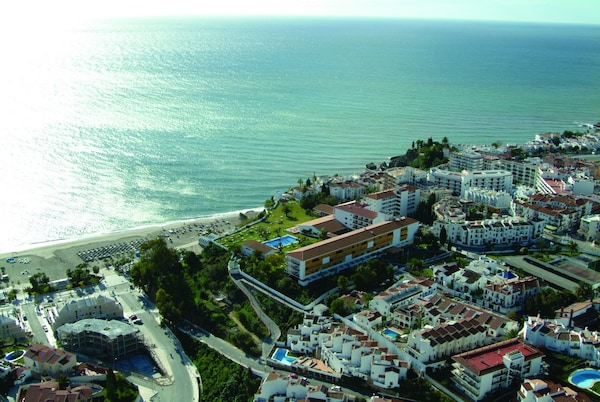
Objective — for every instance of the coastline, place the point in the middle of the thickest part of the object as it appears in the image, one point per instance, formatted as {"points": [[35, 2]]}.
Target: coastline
{"points": [[56, 256]]}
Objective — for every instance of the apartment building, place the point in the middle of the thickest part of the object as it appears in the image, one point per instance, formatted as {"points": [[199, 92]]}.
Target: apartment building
{"points": [[465, 160], [45, 360], [482, 370], [353, 353], [355, 215], [399, 201], [433, 345], [459, 182], [109, 339], [589, 227], [524, 173], [347, 190], [501, 232], [510, 295], [402, 294], [10, 329], [536, 390], [440, 310], [581, 343], [279, 387], [338, 253], [500, 200], [100, 307], [306, 337]]}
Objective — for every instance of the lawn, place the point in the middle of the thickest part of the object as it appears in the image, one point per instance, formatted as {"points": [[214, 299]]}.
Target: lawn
{"points": [[274, 225]]}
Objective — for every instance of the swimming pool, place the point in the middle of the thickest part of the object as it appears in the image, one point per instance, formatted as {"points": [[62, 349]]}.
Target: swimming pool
{"points": [[391, 333], [14, 355], [140, 363], [281, 355], [281, 241], [585, 378]]}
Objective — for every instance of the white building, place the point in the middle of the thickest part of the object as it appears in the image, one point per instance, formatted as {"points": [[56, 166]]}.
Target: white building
{"points": [[497, 199], [45, 360], [510, 295], [440, 310], [459, 182], [524, 173], [465, 160], [355, 215], [10, 328], [353, 353], [400, 201], [536, 390], [279, 387], [589, 227], [434, 344], [368, 319], [583, 344], [402, 294], [408, 175], [347, 190], [307, 336], [101, 307], [482, 370], [510, 231]]}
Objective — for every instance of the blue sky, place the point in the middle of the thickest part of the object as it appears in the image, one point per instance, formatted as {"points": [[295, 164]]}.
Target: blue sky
{"points": [[565, 11]]}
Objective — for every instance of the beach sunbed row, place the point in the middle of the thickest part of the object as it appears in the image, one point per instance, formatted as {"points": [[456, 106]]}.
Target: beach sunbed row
{"points": [[109, 251]]}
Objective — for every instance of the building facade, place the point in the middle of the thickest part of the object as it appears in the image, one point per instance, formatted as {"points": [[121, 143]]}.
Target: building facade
{"points": [[338, 253], [483, 370], [109, 339]]}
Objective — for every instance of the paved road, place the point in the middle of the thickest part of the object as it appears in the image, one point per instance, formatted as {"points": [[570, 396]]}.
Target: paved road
{"points": [[182, 378]]}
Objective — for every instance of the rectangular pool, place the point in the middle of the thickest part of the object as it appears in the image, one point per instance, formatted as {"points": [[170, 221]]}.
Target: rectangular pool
{"points": [[281, 241], [390, 333]]}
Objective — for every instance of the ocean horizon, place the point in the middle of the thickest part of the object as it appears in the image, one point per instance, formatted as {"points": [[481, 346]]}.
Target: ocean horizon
{"points": [[133, 123]]}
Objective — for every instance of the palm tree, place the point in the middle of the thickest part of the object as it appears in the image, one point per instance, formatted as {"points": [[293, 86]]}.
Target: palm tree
{"points": [[573, 247]]}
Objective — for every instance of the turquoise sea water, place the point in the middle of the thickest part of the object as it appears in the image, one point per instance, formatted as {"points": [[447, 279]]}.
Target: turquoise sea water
{"points": [[129, 123]]}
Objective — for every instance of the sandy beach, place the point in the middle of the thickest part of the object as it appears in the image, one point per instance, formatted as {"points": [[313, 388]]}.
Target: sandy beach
{"points": [[54, 258]]}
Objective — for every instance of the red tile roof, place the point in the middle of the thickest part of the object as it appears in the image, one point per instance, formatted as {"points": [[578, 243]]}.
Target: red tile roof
{"points": [[327, 246], [489, 358], [356, 208]]}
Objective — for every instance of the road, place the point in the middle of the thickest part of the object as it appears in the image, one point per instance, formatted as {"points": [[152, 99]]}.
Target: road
{"points": [[181, 376], [181, 380]]}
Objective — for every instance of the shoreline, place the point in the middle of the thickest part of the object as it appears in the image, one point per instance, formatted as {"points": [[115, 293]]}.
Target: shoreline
{"points": [[125, 232], [54, 257]]}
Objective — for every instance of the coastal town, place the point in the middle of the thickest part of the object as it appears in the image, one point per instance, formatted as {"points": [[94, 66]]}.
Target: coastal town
{"points": [[465, 272]]}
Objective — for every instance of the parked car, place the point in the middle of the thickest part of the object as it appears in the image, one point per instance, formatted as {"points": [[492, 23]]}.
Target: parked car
{"points": [[45, 328], [138, 322], [133, 317]]}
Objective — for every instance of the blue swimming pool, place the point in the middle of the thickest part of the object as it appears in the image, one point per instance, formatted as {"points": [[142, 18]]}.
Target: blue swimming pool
{"points": [[585, 378], [281, 355], [281, 241], [140, 363], [391, 333]]}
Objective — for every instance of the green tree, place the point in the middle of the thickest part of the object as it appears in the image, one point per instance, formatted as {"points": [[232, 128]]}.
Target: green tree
{"points": [[443, 235], [286, 210], [339, 307], [584, 291], [118, 389], [343, 282], [40, 284], [513, 333], [572, 247]]}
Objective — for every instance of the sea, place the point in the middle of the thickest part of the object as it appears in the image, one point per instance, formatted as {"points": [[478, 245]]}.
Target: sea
{"points": [[127, 123]]}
